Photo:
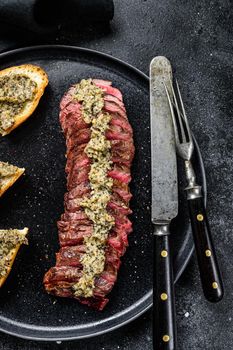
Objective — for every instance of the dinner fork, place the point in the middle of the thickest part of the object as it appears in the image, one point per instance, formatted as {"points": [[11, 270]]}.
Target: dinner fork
{"points": [[208, 266]]}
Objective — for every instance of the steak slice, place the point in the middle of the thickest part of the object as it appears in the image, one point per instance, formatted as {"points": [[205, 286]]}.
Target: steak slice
{"points": [[109, 90], [121, 173], [74, 224], [118, 120], [74, 235], [111, 98], [70, 256]]}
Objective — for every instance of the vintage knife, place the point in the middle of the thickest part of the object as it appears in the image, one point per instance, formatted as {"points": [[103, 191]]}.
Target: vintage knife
{"points": [[164, 203]]}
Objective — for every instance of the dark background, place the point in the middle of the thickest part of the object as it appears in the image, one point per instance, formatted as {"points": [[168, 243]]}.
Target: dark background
{"points": [[197, 37]]}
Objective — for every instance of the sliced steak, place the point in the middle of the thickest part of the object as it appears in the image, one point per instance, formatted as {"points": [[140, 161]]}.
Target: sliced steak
{"points": [[118, 120], [70, 256], [74, 224], [121, 173], [62, 273], [111, 98], [74, 237], [109, 90], [112, 107]]}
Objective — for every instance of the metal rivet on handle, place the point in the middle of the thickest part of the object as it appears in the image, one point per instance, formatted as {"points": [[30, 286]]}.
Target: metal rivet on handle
{"points": [[163, 296], [164, 253], [166, 338], [208, 253], [200, 217], [215, 285]]}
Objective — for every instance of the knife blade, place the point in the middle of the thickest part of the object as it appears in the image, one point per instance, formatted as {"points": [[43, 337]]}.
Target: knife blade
{"points": [[164, 203], [163, 154]]}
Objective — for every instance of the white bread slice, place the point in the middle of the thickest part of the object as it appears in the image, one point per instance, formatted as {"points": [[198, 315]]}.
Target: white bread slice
{"points": [[36, 74], [8, 181], [10, 257]]}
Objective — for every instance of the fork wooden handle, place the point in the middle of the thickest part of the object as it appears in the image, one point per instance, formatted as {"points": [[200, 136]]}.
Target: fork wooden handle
{"points": [[208, 266], [164, 321]]}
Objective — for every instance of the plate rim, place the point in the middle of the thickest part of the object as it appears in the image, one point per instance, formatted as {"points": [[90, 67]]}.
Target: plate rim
{"points": [[141, 305]]}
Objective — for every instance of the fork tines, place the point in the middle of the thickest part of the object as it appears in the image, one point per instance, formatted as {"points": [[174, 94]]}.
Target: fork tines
{"points": [[182, 131]]}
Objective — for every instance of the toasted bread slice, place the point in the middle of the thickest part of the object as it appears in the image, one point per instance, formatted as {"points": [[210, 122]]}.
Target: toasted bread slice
{"points": [[36, 74], [13, 174], [15, 238]]}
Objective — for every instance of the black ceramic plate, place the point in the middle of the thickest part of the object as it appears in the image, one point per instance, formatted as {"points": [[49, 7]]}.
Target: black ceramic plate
{"points": [[36, 201]]}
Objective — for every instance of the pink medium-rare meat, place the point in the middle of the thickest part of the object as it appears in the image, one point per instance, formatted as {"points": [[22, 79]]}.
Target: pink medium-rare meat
{"points": [[102, 82], [74, 224], [117, 120], [111, 98], [112, 107], [109, 90], [122, 175]]}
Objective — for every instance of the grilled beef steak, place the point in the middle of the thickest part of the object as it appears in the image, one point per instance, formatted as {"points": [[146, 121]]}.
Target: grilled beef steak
{"points": [[94, 227]]}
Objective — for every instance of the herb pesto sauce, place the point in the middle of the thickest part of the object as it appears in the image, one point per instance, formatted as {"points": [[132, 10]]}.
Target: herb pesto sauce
{"points": [[15, 91], [6, 170], [99, 151], [9, 239]]}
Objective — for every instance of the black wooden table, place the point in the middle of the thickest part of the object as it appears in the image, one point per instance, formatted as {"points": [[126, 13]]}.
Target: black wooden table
{"points": [[197, 36]]}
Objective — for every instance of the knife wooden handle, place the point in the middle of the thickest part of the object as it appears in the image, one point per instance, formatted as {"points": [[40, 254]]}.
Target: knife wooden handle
{"points": [[164, 321], [208, 266]]}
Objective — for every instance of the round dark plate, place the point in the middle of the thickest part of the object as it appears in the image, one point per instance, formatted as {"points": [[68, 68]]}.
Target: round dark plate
{"points": [[36, 201]]}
